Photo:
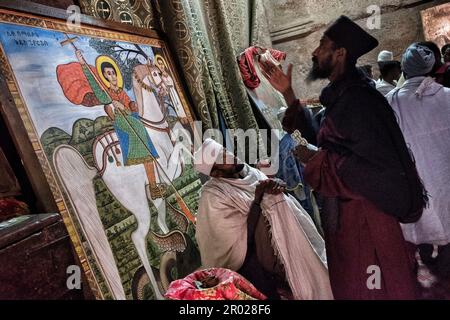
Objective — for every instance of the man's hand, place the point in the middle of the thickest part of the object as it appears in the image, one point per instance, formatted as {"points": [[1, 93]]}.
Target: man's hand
{"points": [[109, 111], [303, 153], [134, 107], [269, 186], [279, 80], [118, 105], [265, 163]]}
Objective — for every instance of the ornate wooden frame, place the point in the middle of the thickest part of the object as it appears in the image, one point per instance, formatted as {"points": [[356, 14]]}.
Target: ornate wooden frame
{"points": [[12, 106]]}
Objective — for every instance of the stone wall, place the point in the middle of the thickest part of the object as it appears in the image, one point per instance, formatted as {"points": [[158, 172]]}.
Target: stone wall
{"points": [[297, 26]]}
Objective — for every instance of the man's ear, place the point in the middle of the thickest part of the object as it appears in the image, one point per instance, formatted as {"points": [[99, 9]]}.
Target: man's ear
{"points": [[341, 54]]}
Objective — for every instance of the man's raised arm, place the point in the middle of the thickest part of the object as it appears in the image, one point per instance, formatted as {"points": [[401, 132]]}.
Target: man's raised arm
{"points": [[282, 82]]}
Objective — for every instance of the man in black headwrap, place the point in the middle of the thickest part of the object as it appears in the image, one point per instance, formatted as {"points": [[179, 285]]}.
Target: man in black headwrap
{"points": [[363, 170]]}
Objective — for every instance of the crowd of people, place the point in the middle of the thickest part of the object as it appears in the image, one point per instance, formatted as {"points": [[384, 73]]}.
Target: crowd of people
{"points": [[378, 178]]}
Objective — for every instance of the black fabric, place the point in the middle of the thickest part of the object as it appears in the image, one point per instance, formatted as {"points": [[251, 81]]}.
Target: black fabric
{"points": [[345, 33], [439, 265], [303, 122], [252, 220], [264, 281], [318, 119], [378, 164], [444, 79], [443, 261], [252, 269]]}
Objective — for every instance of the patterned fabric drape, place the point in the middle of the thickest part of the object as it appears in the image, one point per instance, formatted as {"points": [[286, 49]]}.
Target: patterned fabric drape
{"points": [[207, 35], [138, 13]]}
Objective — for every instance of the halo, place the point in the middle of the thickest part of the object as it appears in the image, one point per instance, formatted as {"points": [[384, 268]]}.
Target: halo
{"points": [[98, 64], [160, 57]]}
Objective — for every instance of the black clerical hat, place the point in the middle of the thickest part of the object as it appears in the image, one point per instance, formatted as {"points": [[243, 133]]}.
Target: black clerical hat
{"points": [[345, 33]]}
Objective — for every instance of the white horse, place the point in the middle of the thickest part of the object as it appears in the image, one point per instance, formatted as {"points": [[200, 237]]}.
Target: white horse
{"points": [[128, 183]]}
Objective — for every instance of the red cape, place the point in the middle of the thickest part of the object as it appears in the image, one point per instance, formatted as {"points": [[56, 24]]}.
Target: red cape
{"points": [[75, 85]]}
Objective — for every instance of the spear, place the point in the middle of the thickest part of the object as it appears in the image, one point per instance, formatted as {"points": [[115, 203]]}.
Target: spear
{"points": [[70, 41]]}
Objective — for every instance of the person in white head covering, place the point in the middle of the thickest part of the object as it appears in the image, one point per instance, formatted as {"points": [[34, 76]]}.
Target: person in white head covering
{"points": [[423, 111], [390, 72], [385, 55], [246, 223]]}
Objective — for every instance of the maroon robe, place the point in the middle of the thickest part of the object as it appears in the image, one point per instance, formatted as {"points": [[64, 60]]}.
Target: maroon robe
{"points": [[365, 237], [368, 182]]}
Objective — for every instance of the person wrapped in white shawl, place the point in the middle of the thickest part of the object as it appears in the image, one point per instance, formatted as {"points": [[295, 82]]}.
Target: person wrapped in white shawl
{"points": [[240, 206], [423, 112]]}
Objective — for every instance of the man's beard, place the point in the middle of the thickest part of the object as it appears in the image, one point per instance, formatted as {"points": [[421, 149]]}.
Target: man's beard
{"points": [[233, 171], [317, 72]]}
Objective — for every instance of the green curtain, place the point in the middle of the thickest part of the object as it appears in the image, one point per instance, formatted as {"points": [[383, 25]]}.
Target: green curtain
{"points": [[138, 13], [207, 36]]}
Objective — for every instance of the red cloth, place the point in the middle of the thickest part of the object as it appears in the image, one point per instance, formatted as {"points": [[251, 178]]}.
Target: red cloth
{"points": [[366, 237], [10, 208], [232, 286], [443, 68], [75, 85], [247, 68], [441, 73]]}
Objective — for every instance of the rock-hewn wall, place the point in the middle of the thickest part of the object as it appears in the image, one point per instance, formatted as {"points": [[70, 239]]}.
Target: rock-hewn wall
{"points": [[297, 26]]}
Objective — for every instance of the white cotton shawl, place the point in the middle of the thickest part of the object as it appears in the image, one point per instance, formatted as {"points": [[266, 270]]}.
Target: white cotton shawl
{"points": [[422, 107], [222, 233]]}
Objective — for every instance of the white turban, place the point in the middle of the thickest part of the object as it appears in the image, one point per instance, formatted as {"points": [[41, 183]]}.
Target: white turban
{"points": [[206, 156], [385, 56], [417, 61]]}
